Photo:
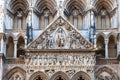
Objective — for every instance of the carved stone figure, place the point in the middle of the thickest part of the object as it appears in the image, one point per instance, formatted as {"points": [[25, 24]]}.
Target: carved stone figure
{"points": [[60, 38], [70, 72], [50, 72], [18, 77], [49, 42]]}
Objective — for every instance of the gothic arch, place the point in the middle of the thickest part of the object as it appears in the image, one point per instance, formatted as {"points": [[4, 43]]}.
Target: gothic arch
{"points": [[18, 10], [105, 69], [108, 4], [81, 75], [45, 11], [10, 47], [21, 35], [79, 4], [112, 46], [113, 34], [40, 5], [100, 45], [59, 74], [14, 71], [20, 46], [100, 34], [16, 4], [10, 34], [40, 74]]}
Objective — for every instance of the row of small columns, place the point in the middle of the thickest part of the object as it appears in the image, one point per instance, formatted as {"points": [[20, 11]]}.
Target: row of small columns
{"points": [[106, 46], [15, 46]]}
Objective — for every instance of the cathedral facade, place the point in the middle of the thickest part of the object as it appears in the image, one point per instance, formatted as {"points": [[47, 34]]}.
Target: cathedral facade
{"points": [[59, 39]]}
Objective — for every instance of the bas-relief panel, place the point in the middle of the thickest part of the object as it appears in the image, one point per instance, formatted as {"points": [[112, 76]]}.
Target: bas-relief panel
{"points": [[60, 35], [52, 63]]}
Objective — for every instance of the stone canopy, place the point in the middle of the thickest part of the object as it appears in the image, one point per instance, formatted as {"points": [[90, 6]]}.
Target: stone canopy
{"points": [[60, 34]]}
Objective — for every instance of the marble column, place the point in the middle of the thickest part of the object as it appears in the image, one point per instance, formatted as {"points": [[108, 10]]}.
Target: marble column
{"points": [[106, 48], [118, 12], [15, 48], [1, 45], [1, 66], [118, 44], [25, 42], [95, 42]]}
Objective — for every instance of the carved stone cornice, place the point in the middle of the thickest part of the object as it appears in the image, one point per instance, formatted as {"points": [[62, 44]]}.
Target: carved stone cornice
{"points": [[37, 51], [15, 61], [107, 61]]}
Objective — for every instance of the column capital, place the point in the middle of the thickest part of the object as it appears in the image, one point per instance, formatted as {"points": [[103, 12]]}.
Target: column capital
{"points": [[15, 41], [106, 41]]}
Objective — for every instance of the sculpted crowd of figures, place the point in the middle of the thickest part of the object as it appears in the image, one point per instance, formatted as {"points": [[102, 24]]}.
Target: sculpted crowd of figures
{"points": [[60, 60], [60, 35]]}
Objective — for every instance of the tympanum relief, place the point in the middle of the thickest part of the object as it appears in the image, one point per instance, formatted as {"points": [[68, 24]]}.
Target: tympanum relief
{"points": [[17, 76], [60, 35]]}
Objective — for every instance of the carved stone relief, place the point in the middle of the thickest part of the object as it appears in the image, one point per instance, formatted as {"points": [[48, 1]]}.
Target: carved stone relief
{"points": [[60, 35], [17, 76], [50, 72], [70, 72], [106, 76], [60, 60]]}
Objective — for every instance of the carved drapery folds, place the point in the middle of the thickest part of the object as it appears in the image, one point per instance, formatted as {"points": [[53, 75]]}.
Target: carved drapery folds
{"points": [[60, 60], [60, 35]]}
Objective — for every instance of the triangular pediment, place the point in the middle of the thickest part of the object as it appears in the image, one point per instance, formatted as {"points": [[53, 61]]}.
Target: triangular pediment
{"points": [[60, 35]]}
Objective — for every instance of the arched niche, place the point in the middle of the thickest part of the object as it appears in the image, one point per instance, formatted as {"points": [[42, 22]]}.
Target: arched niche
{"points": [[81, 76], [20, 46], [19, 10], [74, 10], [59, 76], [10, 47], [38, 76], [112, 47], [105, 73], [44, 12], [100, 47], [16, 73]]}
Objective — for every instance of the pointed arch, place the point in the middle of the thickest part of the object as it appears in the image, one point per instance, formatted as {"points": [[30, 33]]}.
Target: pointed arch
{"points": [[112, 33], [40, 74], [10, 47], [43, 4], [10, 34], [81, 75], [44, 11], [21, 35], [20, 46], [79, 4], [100, 34], [18, 9], [13, 71], [99, 72], [59, 74], [112, 46], [108, 4], [16, 4], [100, 45]]}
